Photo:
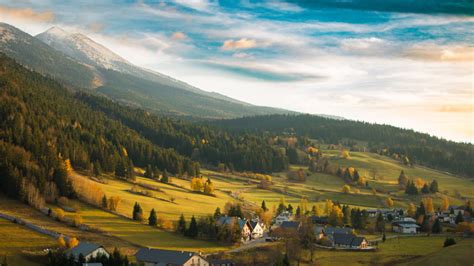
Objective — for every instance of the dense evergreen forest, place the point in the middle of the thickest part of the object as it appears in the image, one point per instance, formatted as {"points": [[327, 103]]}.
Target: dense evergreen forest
{"points": [[206, 144], [420, 148], [44, 127]]}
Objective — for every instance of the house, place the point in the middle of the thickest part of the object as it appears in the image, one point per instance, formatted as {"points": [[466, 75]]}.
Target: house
{"points": [[405, 227], [258, 228], [329, 232], [349, 241], [217, 262], [291, 225], [319, 219], [245, 226], [160, 257], [88, 250], [282, 217], [457, 209]]}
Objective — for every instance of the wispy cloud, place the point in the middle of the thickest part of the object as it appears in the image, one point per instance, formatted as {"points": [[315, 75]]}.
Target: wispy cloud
{"points": [[243, 43], [26, 14]]}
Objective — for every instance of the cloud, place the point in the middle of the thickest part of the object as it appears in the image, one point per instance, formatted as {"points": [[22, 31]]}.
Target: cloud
{"points": [[433, 52], [201, 5], [455, 109], [243, 43], [26, 14], [178, 36]]}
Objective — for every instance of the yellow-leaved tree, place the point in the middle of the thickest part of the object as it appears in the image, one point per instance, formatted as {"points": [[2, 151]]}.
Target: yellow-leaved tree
{"points": [[208, 187], [68, 166], [445, 204], [72, 242], [389, 202], [411, 210], [329, 205], [345, 154], [346, 189], [428, 203]]}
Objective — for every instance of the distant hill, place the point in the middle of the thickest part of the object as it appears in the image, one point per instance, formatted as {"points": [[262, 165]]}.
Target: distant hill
{"points": [[419, 148], [81, 63]]}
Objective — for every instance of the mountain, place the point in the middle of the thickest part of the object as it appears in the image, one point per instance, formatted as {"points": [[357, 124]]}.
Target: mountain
{"points": [[36, 55], [83, 64], [43, 125]]}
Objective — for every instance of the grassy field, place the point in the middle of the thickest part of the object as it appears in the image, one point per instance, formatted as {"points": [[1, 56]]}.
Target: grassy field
{"points": [[137, 233], [17, 209], [17, 239], [388, 171], [407, 250], [395, 251]]}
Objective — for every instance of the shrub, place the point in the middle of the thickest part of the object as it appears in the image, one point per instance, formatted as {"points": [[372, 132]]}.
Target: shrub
{"points": [[449, 242], [58, 214]]}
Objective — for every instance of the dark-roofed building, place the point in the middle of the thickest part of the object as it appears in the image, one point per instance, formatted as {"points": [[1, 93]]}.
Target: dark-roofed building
{"points": [[321, 231], [319, 220], [292, 225], [349, 241], [244, 225], [88, 250], [160, 257]]}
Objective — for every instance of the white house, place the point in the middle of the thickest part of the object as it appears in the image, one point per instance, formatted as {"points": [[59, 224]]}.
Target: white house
{"points": [[88, 250], [282, 217], [258, 228], [405, 227]]}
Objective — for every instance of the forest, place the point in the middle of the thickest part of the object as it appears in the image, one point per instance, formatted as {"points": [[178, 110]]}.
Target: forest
{"points": [[45, 129], [418, 148]]}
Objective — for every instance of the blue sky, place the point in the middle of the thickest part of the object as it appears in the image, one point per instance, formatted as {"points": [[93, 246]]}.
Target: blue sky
{"points": [[406, 63]]}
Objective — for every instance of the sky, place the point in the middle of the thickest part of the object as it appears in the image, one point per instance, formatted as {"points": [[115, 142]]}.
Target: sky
{"points": [[408, 63]]}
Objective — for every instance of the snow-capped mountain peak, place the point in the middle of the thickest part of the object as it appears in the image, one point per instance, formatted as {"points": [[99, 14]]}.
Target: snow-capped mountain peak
{"points": [[82, 48]]}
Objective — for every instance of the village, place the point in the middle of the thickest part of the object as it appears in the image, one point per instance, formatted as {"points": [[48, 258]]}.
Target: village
{"points": [[254, 232]]}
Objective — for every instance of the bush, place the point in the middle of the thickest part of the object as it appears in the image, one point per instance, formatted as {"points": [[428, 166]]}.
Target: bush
{"points": [[449, 242]]}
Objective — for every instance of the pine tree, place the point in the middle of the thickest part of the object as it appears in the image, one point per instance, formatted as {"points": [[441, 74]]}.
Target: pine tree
{"points": [[380, 223], [298, 212], [420, 210], [425, 189], [264, 206], [165, 177], [217, 213], [104, 202], [290, 209], [459, 218], [148, 171], [137, 212], [356, 176], [402, 179], [181, 228], [152, 220], [436, 227], [434, 186], [193, 228]]}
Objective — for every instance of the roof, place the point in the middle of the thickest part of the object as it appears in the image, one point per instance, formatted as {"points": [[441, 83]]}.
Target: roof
{"points": [[338, 230], [164, 256], [84, 248], [229, 220], [254, 224], [406, 224], [348, 240], [290, 224], [319, 219]]}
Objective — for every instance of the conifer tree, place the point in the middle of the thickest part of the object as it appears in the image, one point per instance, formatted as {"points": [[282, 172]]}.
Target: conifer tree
{"points": [[152, 219], [181, 228], [193, 228]]}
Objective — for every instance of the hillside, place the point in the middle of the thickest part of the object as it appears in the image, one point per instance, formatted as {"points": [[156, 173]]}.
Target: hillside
{"points": [[410, 146], [79, 62]]}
